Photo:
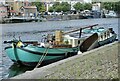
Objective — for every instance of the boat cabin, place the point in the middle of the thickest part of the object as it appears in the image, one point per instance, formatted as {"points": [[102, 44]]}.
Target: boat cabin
{"points": [[62, 40], [105, 34]]}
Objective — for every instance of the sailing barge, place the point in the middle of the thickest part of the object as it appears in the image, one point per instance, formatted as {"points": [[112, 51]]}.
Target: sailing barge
{"points": [[58, 47]]}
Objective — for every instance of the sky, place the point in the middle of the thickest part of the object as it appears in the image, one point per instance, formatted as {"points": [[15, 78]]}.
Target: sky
{"points": [[87, 0]]}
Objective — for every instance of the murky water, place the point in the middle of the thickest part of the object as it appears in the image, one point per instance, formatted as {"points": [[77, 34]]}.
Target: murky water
{"points": [[34, 31]]}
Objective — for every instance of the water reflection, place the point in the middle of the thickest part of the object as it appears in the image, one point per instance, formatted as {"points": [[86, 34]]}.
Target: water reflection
{"points": [[16, 69]]}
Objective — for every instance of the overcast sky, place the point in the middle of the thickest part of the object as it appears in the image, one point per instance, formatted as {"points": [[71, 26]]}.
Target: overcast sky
{"points": [[87, 0]]}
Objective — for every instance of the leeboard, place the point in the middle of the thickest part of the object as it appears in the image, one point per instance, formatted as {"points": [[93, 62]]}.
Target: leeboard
{"points": [[88, 42]]}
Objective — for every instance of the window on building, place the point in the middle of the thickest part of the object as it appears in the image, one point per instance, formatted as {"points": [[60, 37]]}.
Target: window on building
{"points": [[11, 8]]}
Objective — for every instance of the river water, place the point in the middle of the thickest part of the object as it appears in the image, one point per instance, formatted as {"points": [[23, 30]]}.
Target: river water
{"points": [[34, 31]]}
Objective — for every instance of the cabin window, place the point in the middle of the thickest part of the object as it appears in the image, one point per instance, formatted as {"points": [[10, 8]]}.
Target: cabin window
{"points": [[105, 34], [11, 8], [66, 42], [108, 33], [101, 37]]}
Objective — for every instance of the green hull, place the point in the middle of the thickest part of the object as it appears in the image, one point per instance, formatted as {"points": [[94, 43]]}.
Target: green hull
{"points": [[31, 55], [109, 40]]}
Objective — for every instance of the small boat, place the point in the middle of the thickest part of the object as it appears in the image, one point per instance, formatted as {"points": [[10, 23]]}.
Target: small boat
{"points": [[60, 46], [111, 14], [22, 19]]}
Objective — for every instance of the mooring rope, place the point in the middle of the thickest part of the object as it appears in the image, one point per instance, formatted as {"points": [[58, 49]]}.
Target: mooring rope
{"points": [[42, 57]]}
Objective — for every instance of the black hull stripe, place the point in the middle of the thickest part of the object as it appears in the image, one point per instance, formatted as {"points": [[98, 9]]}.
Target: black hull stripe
{"points": [[32, 64], [8, 47], [39, 53]]}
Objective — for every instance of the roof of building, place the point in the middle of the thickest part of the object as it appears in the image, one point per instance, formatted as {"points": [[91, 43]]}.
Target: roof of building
{"points": [[29, 6], [12, 11]]}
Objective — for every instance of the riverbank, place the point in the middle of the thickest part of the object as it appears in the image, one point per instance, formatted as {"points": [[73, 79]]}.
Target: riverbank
{"points": [[43, 18], [100, 63]]}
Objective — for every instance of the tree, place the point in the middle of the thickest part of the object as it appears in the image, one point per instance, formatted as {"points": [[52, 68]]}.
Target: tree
{"points": [[117, 6], [65, 6], [78, 6], [56, 4], [58, 7], [111, 6], [50, 9], [107, 5], [40, 6], [87, 6]]}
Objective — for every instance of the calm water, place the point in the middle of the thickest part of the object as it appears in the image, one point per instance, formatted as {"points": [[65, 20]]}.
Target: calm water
{"points": [[34, 31]]}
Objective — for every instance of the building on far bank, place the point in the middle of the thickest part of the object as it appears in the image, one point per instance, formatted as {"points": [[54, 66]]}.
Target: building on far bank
{"points": [[96, 7], [28, 11], [3, 11], [15, 5]]}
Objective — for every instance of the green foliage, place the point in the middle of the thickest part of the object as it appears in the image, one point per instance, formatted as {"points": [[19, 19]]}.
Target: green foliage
{"points": [[65, 6], [78, 6], [56, 4], [117, 7], [40, 6], [50, 9], [108, 5], [111, 6], [58, 7], [87, 6]]}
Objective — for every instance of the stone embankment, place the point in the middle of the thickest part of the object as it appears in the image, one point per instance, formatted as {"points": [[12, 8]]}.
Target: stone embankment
{"points": [[64, 17], [50, 17], [100, 63], [4, 20]]}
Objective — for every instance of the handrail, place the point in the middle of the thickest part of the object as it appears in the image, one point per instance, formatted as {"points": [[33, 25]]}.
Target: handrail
{"points": [[80, 29]]}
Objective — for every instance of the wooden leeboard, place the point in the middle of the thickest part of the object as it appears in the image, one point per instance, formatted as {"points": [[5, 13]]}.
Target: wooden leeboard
{"points": [[88, 42]]}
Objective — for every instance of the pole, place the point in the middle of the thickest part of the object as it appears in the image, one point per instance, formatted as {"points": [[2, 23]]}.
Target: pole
{"points": [[80, 33]]}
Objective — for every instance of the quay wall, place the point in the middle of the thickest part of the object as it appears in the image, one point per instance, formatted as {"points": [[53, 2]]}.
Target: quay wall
{"points": [[50, 17], [99, 63], [1, 20], [63, 17]]}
